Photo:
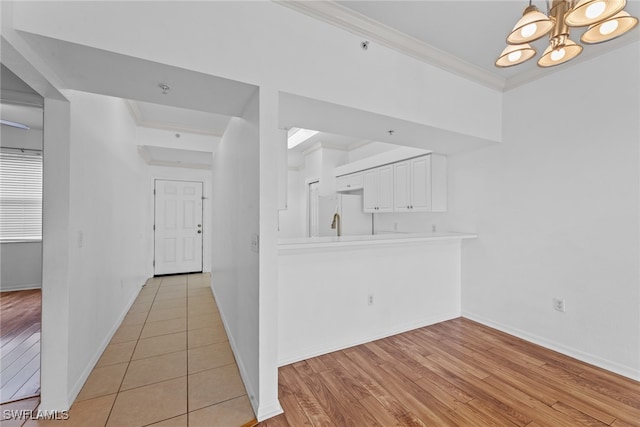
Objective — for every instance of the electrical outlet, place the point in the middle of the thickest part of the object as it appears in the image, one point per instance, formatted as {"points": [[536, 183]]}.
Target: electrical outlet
{"points": [[370, 299], [558, 305]]}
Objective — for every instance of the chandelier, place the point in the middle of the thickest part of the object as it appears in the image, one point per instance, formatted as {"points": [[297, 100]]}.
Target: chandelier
{"points": [[606, 20]]}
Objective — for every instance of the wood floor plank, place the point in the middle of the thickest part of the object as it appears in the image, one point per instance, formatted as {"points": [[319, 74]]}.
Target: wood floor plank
{"points": [[10, 388], [8, 358], [577, 415], [341, 414], [293, 412], [352, 405], [397, 386], [455, 373], [10, 344], [18, 310], [19, 365], [545, 389], [376, 390], [31, 387], [20, 316], [307, 401]]}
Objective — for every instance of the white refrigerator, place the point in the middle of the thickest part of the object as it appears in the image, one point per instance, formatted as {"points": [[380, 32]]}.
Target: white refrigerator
{"points": [[353, 221]]}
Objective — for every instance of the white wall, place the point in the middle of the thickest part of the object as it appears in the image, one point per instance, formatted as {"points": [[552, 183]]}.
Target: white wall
{"points": [[21, 266], [108, 187], [292, 220], [556, 207], [323, 293], [235, 274]]}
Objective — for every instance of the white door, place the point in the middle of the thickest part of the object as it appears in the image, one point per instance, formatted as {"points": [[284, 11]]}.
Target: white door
{"points": [[178, 227]]}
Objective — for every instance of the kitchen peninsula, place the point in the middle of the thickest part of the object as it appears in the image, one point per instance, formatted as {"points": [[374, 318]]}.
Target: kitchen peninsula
{"points": [[337, 292]]}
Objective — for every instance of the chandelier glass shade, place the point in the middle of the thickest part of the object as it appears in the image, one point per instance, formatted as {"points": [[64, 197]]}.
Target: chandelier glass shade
{"points": [[609, 29], [558, 55], [605, 19], [587, 12], [533, 25], [515, 54]]}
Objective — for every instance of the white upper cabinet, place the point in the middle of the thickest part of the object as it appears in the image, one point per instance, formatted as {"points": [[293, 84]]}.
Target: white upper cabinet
{"points": [[418, 184], [402, 186], [350, 182], [413, 192], [378, 189], [421, 184]]}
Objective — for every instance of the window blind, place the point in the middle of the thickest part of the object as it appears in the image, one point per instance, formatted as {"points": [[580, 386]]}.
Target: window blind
{"points": [[20, 195]]}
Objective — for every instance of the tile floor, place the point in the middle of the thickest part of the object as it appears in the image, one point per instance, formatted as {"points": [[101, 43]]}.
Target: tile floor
{"points": [[168, 365]]}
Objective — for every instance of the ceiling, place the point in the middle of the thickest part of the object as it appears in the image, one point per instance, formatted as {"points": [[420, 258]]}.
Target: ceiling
{"points": [[20, 103], [463, 37]]}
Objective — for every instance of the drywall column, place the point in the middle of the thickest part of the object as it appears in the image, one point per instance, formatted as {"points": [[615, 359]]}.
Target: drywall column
{"points": [[271, 139], [55, 247]]}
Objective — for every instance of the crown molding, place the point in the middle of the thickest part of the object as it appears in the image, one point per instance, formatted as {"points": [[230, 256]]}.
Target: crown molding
{"points": [[538, 72], [333, 13]]}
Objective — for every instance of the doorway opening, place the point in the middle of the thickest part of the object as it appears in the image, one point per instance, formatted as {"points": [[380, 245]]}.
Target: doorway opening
{"points": [[21, 164]]}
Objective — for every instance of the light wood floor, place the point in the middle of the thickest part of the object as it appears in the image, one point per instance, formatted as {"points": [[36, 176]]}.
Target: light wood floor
{"points": [[20, 313], [168, 365], [456, 373]]}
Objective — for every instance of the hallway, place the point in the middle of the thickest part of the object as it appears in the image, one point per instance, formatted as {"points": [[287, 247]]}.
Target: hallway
{"points": [[168, 365]]}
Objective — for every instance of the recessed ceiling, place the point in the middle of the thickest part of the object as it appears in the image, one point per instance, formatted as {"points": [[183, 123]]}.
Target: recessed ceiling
{"points": [[164, 156], [178, 119], [331, 140]]}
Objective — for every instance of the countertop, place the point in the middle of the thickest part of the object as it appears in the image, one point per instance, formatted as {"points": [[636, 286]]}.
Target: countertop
{"points": [[368, 240]]}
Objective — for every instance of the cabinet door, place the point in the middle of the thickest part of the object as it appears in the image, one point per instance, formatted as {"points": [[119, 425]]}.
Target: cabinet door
{"points": [[370, 193], [402, 186], [421, 184], [385, 188]]}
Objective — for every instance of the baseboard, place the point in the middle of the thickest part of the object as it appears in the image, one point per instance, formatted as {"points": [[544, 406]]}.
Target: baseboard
{"points": [[324, 349], [243, 372], [11, 288], [269, 410], [75, 390], [608, 365]]}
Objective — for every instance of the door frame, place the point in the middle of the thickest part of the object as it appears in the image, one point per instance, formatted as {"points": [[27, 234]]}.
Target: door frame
{"points": [[307, 183], [205, 227]]}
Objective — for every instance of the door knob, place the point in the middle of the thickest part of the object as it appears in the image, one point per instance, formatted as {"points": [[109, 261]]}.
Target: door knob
{"points": [[199, 231]]}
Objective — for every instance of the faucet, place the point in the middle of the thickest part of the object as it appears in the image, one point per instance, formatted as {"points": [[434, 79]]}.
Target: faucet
{"points": [[335, 223]]}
